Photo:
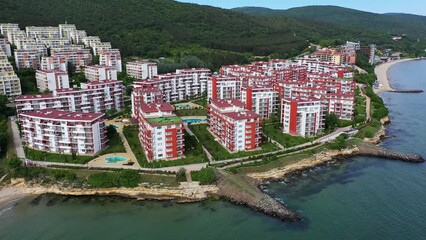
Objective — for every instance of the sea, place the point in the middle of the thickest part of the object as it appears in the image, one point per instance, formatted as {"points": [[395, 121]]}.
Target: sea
{"points": [[359, 198]]}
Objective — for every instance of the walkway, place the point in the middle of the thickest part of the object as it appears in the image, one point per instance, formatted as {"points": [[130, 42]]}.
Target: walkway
{"points": [[368, 102], [17, 142]]}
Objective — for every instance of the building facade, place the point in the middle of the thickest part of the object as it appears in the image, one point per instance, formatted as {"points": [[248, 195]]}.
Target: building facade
{"points": [[181, 85], [95, 97], [111, 57], [161, 133], [98, 73], [52, 80], [141, 70], [235, 127], [64, 132], [145, 95], [9, 81], [301, 116]]}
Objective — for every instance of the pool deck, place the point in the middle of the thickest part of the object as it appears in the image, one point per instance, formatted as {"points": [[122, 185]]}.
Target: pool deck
{"points": [[100, 161]]}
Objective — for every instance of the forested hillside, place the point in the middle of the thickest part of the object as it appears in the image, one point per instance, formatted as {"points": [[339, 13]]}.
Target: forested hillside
{"points": [[166, 28]]}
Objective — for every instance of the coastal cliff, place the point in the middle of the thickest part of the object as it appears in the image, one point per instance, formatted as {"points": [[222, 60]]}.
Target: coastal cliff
{"points": [[185, 193]]}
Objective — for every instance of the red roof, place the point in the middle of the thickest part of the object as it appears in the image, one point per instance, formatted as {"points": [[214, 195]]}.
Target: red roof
{"points": [[243, 114], [29, 97], [157, 107], [63, 115], [225, 103]]}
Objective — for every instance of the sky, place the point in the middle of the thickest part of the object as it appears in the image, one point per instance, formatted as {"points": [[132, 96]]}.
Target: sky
{"points": [[377, 6]]}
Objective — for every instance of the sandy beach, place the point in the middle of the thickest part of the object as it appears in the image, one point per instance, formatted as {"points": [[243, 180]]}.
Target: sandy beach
{"points": [[383, 77], [9, 194]]}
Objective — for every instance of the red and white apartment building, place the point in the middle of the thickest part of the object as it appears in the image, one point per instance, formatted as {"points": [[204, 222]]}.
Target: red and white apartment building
{"points": [[181, 85], [145, 95], [260, 99], [52, 80], [141, 70], [64, 132], [98, 73], [161, 132], [223, 87], [111, 57], [92, 97], [301, 116], [235, 127], [262, 86]]}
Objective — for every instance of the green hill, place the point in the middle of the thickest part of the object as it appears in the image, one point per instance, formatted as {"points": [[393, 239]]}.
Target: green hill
{"points": [[166, 28], [394, 23]]}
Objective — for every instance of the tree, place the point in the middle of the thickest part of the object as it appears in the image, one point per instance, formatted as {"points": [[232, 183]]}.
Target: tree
{"points": [[331, 120]]}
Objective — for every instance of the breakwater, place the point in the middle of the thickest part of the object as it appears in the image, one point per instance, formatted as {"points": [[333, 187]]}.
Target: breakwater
{"points": [[243, 191]]}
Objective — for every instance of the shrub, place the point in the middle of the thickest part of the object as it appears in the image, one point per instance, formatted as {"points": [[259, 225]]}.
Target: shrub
{"points": [[204, 176]]}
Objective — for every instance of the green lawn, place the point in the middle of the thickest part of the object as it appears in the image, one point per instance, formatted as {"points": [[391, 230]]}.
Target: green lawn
{"points": [[273, 131], [217, 151], [131, 134], [201, 102], [55, 157], [192, 112]]}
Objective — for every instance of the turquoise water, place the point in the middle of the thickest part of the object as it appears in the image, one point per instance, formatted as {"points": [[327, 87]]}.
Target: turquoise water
{"points": [[361, 198], [195, 120], [115, 159]]}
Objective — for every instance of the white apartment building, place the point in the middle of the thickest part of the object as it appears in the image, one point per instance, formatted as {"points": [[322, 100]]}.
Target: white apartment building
{"points": [[99, 46], [53, 63], [65, 30], [181, 85], [79, 58], [259, 99], [5, 47], [92, 97], [111, 57], [18, 38], [9, 81], [64, 132], [27, 58], [8, 27], [89, 41], [54, 42], [78, 36], [52, 80], [42, 32], [100, 73], [141, 70]]}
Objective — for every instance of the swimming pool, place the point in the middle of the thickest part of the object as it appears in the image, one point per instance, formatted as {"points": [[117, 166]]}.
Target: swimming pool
{"points": [[115, 159], [194, 120], [115, 126]]}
